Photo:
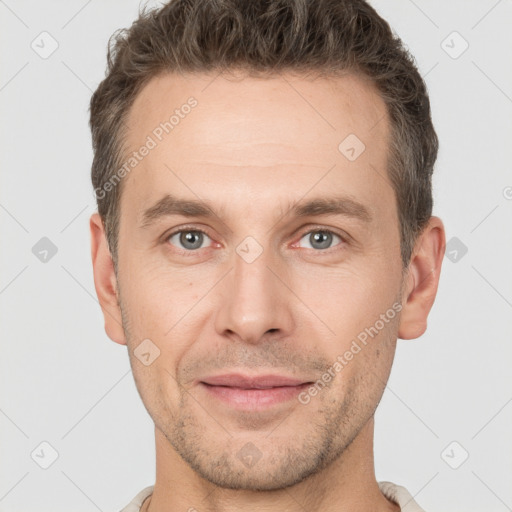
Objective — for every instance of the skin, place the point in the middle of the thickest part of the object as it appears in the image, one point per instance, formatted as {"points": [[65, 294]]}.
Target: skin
{"points": [[253, 148]]}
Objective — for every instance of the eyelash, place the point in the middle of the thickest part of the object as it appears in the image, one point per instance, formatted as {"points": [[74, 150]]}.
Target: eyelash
{"points": [[185, 229]]}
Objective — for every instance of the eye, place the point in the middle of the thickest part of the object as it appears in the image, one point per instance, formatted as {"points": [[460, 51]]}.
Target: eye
{"points": [[320, 239], [188, 239]]}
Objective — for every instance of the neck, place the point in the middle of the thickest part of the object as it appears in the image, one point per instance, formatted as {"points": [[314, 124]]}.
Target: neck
{"points": [[348, 484]]}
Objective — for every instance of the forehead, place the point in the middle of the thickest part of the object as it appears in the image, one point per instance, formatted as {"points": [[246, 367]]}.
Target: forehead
{"points": [[263, 136], [317, 107]]}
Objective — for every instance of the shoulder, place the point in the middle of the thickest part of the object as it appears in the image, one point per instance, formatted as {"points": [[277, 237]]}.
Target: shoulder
{"points": [[136, 503], [400, 495]]}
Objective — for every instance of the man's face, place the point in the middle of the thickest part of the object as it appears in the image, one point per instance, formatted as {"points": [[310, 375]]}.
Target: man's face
{"points": [[262, 291]]}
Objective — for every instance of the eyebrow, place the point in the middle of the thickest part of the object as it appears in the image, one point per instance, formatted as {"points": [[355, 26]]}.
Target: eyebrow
{"points": [[338, 205]]}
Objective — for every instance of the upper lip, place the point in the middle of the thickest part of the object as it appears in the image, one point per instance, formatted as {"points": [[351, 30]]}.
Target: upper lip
{"points": [[252, 382]]}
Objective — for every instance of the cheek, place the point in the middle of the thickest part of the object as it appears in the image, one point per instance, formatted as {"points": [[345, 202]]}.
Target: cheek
{"points": [[163, 309], [158, 297], [361, 311], [362, 365], [351, 298]]}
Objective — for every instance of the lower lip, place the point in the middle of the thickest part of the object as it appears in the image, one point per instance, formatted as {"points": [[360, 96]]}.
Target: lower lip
{"points": [[253, 399]]}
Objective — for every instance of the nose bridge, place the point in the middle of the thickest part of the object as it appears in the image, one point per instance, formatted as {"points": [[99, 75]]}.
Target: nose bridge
{"points": [[253, 299]]}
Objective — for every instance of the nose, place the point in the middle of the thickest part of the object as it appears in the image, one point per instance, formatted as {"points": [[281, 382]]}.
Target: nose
{"points": [[254, 300]]}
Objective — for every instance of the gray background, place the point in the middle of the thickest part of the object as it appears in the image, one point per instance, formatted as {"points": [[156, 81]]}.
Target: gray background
{"points": [[65, 383]]}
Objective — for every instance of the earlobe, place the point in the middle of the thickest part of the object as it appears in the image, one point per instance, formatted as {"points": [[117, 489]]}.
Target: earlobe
{"points": [[422, 280], [105, 281]]}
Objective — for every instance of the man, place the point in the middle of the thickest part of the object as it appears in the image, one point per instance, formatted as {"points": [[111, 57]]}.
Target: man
{"points": [[264, 236]]}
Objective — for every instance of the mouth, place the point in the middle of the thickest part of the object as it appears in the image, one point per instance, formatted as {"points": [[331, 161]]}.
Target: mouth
{"points": [[252, 393]]}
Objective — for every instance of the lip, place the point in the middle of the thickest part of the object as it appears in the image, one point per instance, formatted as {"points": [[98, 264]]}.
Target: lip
{"points": [[252, 393]]}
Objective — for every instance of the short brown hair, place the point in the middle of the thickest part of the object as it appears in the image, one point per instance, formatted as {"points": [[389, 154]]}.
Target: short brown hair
{"points": [[270, 37]]}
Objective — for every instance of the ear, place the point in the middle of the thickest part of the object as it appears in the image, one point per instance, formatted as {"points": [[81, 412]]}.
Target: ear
{"points": [[422, 280], [105, 281]]}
